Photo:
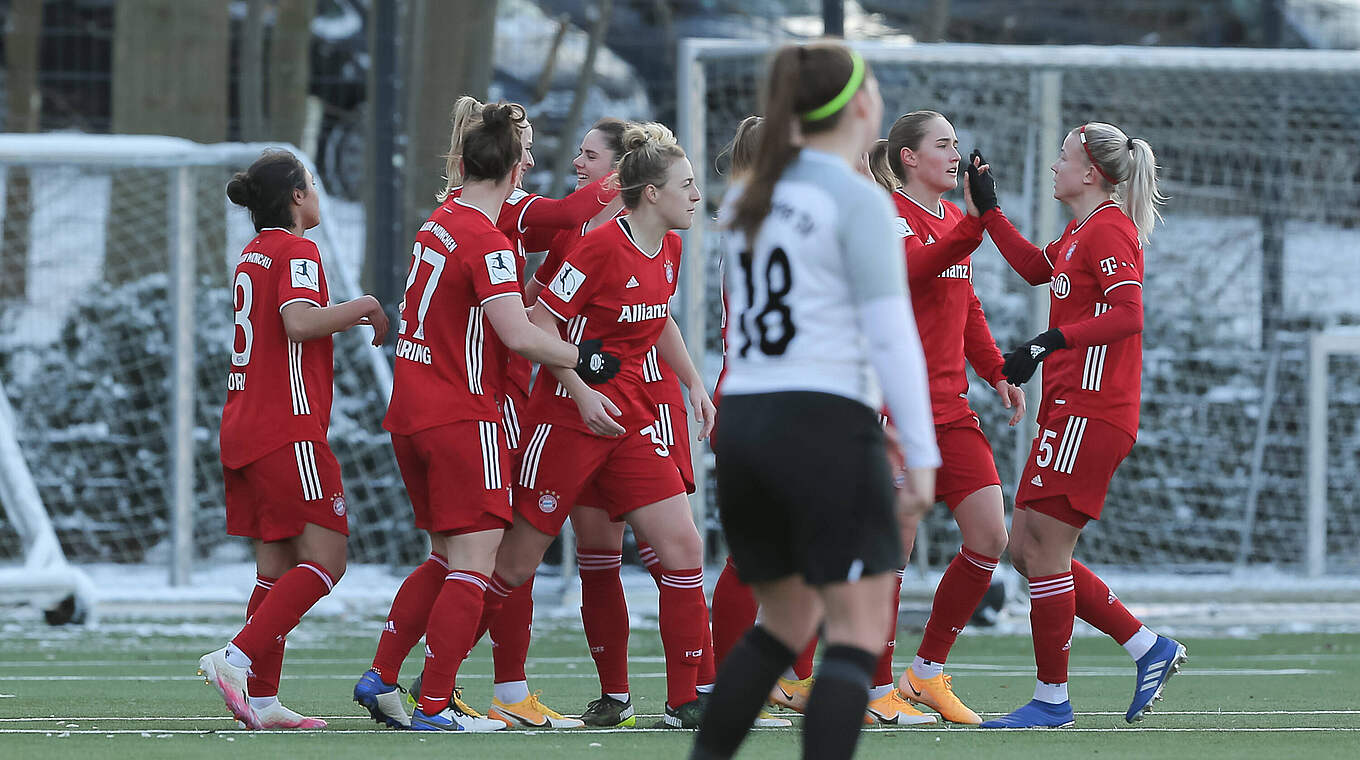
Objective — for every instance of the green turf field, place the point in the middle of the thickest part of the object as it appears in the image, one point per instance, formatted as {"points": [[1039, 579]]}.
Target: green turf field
{"points": [[128, 689]]}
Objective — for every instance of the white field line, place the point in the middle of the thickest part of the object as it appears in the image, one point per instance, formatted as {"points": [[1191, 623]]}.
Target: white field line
{"points": [[74, 722], [167, 733], [1075, 673], [302, 659]]}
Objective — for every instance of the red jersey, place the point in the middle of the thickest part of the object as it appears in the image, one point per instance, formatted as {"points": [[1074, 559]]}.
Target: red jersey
{"points": [[608, 288], [1094, 273], [949, 316], [278, 390], [450, 367], [524, 210], [664, 384]]}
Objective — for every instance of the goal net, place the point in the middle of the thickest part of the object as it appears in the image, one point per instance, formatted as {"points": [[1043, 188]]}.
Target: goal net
{"points": [[115, 333], [1260, 249]]}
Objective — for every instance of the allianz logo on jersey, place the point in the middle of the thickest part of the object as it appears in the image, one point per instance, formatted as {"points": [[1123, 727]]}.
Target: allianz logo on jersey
{"points": [[958, 272], [641, 312]]}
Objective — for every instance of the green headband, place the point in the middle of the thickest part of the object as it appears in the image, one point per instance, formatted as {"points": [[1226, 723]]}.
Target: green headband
{"points": [[843, 97]]}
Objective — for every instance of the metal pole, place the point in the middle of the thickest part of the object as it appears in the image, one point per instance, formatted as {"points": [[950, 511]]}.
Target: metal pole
{"points": [[1049, 137], [182, 376], [692, 123], [1315, 536], [386, 178], [833, 18]]}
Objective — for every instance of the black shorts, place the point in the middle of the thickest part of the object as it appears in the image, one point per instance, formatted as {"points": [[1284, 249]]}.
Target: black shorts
{"points": [[804, 488]]}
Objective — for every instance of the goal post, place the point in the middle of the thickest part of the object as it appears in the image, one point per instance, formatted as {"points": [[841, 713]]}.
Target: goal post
{"points": [[115, 331], [1256, 149]]}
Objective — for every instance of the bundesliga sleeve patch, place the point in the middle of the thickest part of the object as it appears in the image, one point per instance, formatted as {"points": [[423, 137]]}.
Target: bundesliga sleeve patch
{"points": [[567, 281], [305, 273], [500, 267], [903, 229]]}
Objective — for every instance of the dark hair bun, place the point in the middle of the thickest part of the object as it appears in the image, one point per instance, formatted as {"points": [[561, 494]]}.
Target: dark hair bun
{"points": [[239, 190]]}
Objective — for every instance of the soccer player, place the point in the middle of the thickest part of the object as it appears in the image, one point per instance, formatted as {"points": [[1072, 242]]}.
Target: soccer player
{"points": [[819, 320], [734, 607], [1088, 418], [939, 239], [410, 610], [283, 487], [445, 420], [616, 285]]}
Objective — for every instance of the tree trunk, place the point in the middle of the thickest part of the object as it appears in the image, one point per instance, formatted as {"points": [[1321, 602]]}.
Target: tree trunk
{"points": [[156, 43], [25, 104], [290, 70], [937, 25], [451, 54]]}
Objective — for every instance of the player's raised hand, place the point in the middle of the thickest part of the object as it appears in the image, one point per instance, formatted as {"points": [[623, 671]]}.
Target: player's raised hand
{"points": [[1012, 397], [598, 412], [705, 413], [979, 185]]}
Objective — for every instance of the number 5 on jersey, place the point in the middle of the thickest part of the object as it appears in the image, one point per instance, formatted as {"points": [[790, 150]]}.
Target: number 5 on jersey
{"points": [[773, 323], [1065, 457]]}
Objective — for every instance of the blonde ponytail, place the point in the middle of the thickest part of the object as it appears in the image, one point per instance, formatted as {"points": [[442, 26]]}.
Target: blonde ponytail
{"points": [[1128, 171], [467, 111], [1138, 194]]}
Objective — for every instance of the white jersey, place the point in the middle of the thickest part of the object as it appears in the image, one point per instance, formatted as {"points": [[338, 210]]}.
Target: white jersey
{"points": [[797, 299]]}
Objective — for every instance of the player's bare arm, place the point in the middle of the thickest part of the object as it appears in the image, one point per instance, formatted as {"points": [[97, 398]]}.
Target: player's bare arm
{"points": [[305, 321], [671, 347]]}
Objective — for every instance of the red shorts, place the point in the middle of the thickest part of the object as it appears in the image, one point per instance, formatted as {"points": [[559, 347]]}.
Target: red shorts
{"points": [[1073, 458], [622, 474], [674, 426], [968, 463], [273, 497], [457, 476]]}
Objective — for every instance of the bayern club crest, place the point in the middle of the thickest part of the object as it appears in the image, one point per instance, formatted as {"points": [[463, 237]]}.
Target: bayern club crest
{"points": [[1071, 250], [338, 505], [670, 272], [547, 503]]}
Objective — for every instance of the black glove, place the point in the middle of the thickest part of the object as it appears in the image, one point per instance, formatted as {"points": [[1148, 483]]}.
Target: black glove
{"points": [[1024, 359], [981, 185], [593, 364]]}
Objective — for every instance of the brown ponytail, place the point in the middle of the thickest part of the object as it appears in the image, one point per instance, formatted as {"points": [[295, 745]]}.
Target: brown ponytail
{"points": [[802, 78]]}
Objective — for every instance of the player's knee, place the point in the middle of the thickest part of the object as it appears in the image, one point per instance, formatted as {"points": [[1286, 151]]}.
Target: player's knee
{"points": [[990, 544]]}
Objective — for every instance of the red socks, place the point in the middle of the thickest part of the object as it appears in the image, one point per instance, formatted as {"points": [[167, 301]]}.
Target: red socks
{"points": [[1097, 605], [734, 610], [450, 634], [883, 673], [510, 630], [650, 561], [961, 588], [684, 620], [802, 667], [409, 614], [282, 608], [1052, 608], [604, 614], [263, 679]]}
